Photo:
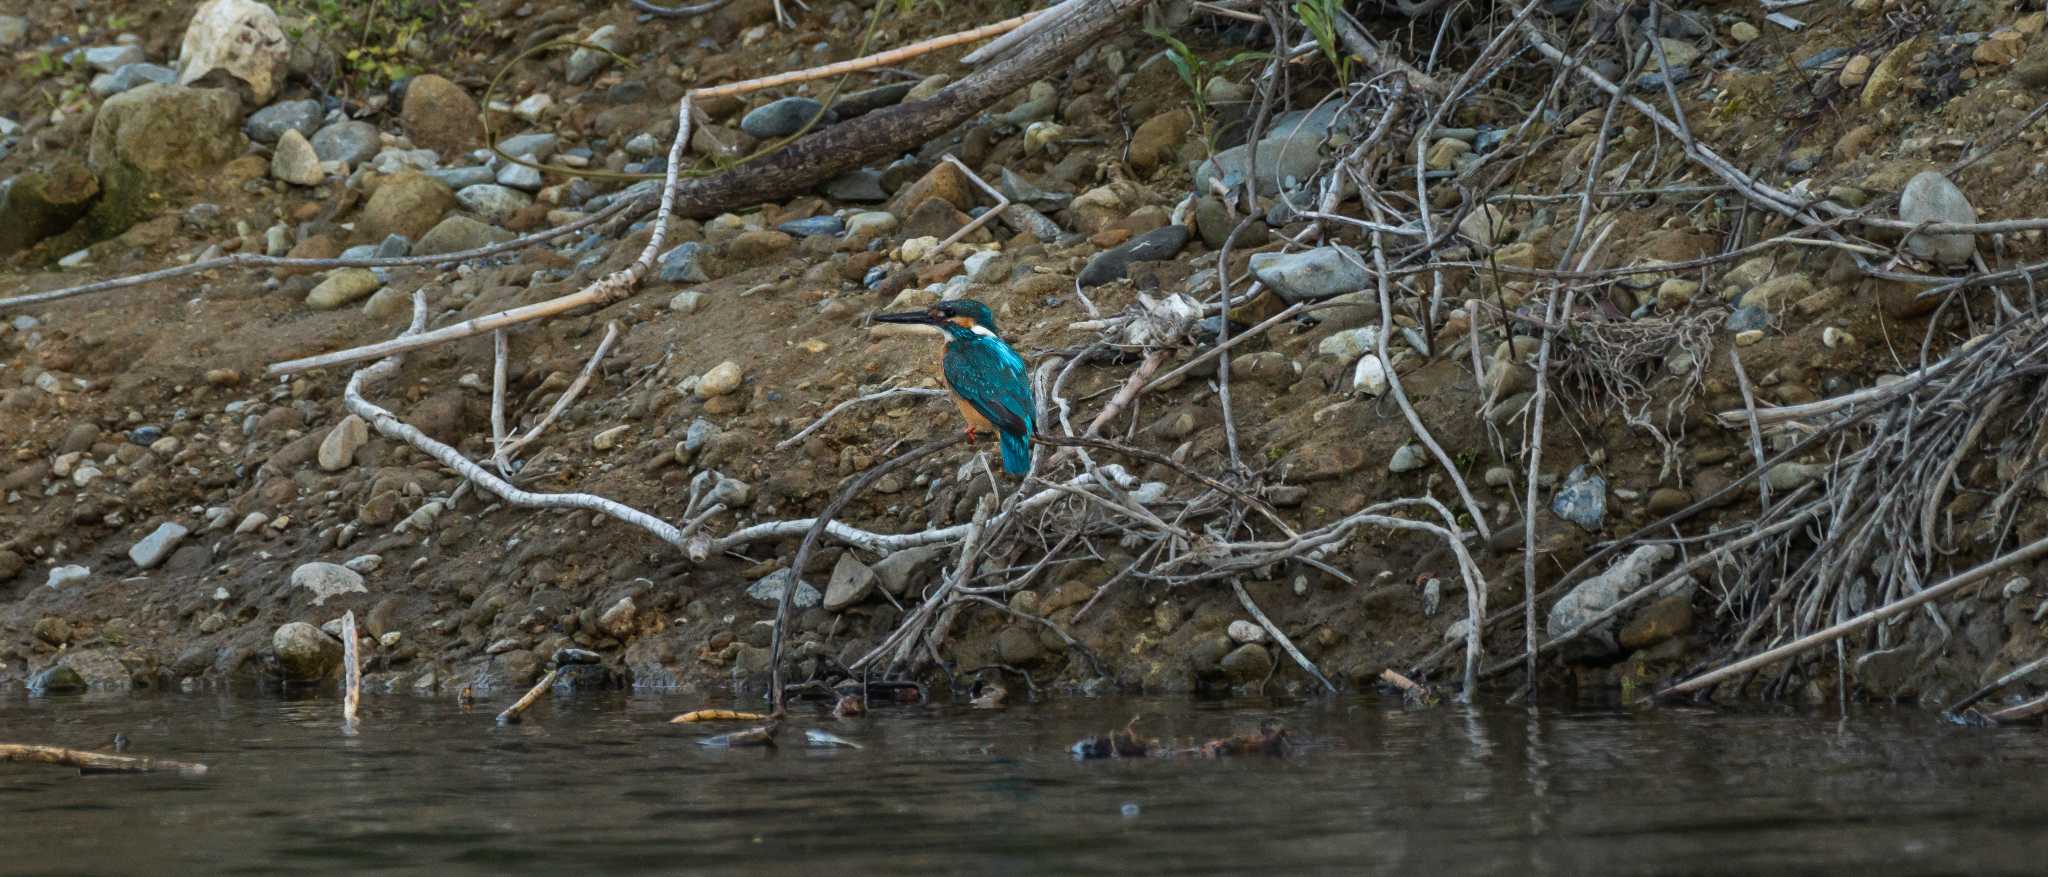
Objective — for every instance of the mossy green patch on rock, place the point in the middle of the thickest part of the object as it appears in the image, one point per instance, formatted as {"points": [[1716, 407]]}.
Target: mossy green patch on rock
{"points": [[156, 138], [39, 204]]}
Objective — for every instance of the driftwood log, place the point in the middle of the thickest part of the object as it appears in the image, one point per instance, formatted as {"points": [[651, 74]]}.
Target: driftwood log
{"points": [[93, 762]]}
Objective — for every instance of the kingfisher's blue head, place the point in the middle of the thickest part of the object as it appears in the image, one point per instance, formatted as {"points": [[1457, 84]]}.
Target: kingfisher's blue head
{"points": [[966, 313]]}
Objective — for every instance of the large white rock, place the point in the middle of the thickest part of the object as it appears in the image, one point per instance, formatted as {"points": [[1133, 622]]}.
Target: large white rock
{"points": [[241, 37]]}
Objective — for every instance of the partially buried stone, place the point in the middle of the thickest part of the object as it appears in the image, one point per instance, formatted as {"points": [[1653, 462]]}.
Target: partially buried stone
{"points": [[351, 141], [303, 652], [585, 63], [338, 449], [1311, 275], [493, 203], [158, 545], [682, 264], [1583, 501], [107, 59], [1930, 197], [862, 185], [1744, 319], [768, 590], [1115, 263], [781, 118], [720, 380], [342, 287], [295, 161], [852, 582], [813, 226], [1248, 663], [327, 580], [523, 177], [457, 234], [129, 77], [1408, 458]]}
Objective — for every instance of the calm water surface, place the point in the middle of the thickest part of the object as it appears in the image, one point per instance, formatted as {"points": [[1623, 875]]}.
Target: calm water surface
{"points": [[602, 784]]}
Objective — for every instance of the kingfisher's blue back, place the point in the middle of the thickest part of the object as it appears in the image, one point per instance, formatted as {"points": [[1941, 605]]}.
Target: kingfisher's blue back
{"points": [[991, 377]]}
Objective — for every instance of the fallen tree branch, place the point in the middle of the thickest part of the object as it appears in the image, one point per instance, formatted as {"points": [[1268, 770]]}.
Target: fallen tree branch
{"points": [[389, 425], [2027, 553], [511, 714], [93, 762]]}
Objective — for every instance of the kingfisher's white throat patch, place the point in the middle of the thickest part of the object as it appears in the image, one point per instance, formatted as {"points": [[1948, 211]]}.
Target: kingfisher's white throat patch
{"points": [[982, 330]]}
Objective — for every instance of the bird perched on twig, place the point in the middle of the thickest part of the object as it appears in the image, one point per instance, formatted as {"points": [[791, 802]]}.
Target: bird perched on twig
{"points": [[986, 378]]}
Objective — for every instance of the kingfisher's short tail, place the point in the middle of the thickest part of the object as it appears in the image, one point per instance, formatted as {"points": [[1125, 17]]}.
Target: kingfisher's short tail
{"points": [[1016, 453]]}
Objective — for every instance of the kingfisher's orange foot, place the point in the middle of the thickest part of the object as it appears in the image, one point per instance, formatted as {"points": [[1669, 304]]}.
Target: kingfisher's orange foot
{"points": [[971, 437]]}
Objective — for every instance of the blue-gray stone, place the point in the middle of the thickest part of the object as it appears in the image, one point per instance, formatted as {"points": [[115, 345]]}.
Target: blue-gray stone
{"points": [[1822, 58], [1286, 160], [268, 124], [681, 265], [538, 147], [131, 76], [1747, 318], [812, 226], [1311, 275], [586, 63], [459, 178], [863, 185], [394, 246], [875, 276], [519, 176], [351, 141], [781, 118], [1583, 501], [768, 590], [108, 59], [1022, 191], [360, 251], [145, 435], [643, 145], [700, 431], [1115, 263]]}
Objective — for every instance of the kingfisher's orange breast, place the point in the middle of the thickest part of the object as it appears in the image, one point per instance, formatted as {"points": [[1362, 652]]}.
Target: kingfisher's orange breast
{"points": [[974, 419]]}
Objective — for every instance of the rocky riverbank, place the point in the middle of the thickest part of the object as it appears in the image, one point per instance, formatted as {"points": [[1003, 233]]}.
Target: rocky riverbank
{"points": [[168, 516]]}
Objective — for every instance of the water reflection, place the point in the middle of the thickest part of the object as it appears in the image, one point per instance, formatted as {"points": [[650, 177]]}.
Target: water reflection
{"points": [[604, 784]]}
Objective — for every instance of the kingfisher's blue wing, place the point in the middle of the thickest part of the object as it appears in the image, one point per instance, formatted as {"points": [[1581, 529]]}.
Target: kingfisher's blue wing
{"points": [[991, 377]]}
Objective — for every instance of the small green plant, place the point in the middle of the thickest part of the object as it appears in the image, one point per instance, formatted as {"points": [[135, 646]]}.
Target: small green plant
{"points": [[44, 64], [1195, 73], [1320, 18], [376, 44]]}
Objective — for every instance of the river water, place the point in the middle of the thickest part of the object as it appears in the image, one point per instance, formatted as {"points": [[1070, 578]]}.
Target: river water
{"points": [[603, 784]]}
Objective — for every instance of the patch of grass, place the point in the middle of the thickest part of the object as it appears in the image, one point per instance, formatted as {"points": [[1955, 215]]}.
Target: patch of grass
{"points": [[381, 43]]}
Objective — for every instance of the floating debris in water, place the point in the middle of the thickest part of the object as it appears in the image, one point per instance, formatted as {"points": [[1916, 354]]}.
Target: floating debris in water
{"points": [[816, 737], [695, 716], [761, 736], [1270, 739]]}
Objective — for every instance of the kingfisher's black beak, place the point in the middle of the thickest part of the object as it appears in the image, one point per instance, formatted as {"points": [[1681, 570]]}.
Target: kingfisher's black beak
{"points": [[915, 318]]}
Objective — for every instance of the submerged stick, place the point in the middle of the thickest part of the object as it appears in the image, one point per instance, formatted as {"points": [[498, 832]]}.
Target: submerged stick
{"points": [[93, 762], [351, 667], [511, 714]]}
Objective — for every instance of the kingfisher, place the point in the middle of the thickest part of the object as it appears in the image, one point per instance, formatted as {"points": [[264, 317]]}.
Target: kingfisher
{"points": [[985, 377]]}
